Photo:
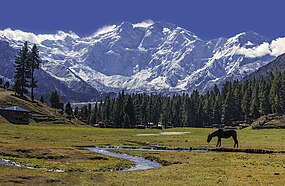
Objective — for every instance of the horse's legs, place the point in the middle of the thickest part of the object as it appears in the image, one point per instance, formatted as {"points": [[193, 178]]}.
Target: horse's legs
{"points": [[236, 142], [219, 142]]}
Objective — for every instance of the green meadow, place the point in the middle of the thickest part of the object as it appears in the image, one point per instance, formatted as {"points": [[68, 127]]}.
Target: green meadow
{"points": [[59, 147]]}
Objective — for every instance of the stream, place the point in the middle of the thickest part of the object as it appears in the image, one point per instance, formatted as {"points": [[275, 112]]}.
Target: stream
{"points": [[140, 163], [16, 164]]}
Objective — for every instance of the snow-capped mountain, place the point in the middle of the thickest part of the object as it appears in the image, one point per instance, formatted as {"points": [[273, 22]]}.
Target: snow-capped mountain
{"points": [[143, 57]]}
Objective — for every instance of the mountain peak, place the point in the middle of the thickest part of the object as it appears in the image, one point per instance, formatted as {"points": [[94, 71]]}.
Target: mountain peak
{"points": [[150, 56], [248, 39], [144, 24]]}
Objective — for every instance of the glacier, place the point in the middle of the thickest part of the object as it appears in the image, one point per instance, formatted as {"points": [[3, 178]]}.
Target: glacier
{"points": [[150, 57]]}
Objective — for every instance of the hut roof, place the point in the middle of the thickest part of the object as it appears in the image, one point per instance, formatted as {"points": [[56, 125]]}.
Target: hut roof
{"points": [[15, 108]]}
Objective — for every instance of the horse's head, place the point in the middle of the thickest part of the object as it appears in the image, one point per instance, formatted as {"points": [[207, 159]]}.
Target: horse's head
{"points": [[209, 138]]}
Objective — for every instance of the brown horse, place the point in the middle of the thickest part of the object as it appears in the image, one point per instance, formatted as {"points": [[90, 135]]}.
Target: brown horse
{"points": [[223, 134]]}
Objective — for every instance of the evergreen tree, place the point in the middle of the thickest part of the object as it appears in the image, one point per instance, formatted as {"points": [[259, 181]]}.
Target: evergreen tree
{"points": [[68, 109], [236, 101], [95, 114], [276, 94], [34, 63], [76, 112], [165, 117], [106, 110], [55, 100], [176, 111], [216, 90], [217, 110], [143, 110], [7, 85], [42, 99], [118, 111], [129, 118], [186, 111], [227, 108], [254, 101], [237, 98], [264, 104], [207, 109], [246, 92], [281, 93], [1, 81], [83, 114], [22, 71], [195, 109]]}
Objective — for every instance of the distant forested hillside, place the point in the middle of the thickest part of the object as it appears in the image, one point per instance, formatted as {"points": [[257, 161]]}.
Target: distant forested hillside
{"points": [[277, 65], [235, 102]]}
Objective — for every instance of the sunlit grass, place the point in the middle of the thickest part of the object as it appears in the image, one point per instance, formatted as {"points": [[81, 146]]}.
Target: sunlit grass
{"points": [[57, 146]]}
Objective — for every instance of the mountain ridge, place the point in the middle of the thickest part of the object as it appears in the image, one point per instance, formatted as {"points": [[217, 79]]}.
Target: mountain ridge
{"points": [[275, 66], [146, 57]]}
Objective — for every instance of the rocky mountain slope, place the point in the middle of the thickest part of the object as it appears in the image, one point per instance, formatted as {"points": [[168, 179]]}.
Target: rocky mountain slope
{"points": [[144, 57], [277, 65]]}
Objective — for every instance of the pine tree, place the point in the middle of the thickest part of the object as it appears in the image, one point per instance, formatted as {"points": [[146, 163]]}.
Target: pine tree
{"points": [[55, 100], [207, 109], [282, 93], [83, 114], [276, 94], [22, 71], [118, 111], [76, 112], [217, 110], [254, 101], [106, 110], [195, 109], [176, 110], [143, 110], [95, 114], [68, 109], [227, 108], [185, 111], [6, 85], [263, 95], [165, 116], [237, 98], [129, 118], [34, 63], [42, 99], [246, 92]]}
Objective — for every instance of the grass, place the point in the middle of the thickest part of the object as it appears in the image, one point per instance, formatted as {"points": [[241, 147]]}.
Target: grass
{"points": [[56, 146]]}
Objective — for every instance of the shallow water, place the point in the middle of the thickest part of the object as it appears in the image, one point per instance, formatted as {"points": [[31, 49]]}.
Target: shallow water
{"points": [[140, 163], [164, 133], [12, 163]]}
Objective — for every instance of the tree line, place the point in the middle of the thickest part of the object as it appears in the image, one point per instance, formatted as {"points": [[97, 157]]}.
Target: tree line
{"points": [[6, 85], [234, 102], [26, 62]]}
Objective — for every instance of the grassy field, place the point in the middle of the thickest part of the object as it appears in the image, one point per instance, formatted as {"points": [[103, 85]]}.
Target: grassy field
{"points": [[56, 147]]}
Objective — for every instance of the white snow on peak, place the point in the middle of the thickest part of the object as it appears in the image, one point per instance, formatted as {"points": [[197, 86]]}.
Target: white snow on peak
{"points": [[104, 30], [158, 57], [144, 24]]}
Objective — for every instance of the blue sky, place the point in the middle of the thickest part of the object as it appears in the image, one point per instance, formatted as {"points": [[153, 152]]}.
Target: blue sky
{"points": [[208, 19]]}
